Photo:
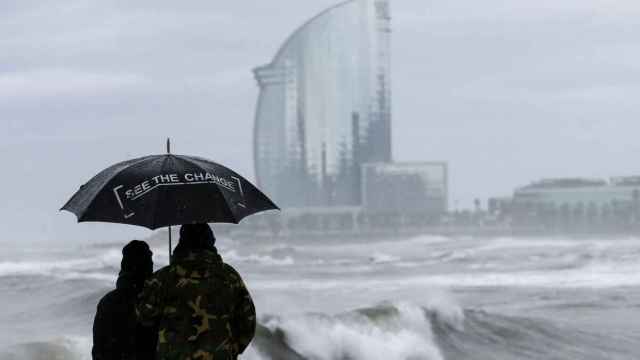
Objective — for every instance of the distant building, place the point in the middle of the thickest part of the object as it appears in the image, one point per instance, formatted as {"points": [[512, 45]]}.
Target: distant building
{"points": [[324, 107], [572, 192], [419, 188], [577, 204]]}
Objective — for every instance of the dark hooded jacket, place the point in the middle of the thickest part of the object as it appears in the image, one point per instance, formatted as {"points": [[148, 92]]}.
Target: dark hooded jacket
{"points": [[116, 333], [200, 305]]}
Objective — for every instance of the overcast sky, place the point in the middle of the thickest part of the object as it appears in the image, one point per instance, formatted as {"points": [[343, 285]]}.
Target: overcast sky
{"points": [[505, 91]]}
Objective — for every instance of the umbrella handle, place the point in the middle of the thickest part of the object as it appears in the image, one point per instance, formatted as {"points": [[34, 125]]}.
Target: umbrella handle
{"points": [[170, 247]]}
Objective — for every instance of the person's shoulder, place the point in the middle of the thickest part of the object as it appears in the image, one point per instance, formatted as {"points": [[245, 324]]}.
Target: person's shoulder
{"points": [[159, 276], [164, 271], [110, 299], [107, 298], [231, 273], [230, 269]]}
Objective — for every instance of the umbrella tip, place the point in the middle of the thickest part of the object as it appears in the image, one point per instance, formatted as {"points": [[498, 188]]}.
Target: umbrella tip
{"points": [[168, 145]]}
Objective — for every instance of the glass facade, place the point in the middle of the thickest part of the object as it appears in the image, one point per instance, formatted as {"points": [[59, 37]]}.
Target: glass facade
{"points": [[324, 107]]}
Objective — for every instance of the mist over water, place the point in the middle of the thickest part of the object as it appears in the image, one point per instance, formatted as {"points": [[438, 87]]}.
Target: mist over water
{"points": [[506, 93], [425, 297]]}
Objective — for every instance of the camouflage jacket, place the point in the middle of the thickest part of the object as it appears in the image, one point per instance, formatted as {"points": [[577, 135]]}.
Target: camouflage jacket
{"points": [[201, 308]]}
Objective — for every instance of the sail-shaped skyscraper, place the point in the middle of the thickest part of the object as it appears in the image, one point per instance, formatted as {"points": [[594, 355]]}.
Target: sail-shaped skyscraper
{"points": [[324, 107]]}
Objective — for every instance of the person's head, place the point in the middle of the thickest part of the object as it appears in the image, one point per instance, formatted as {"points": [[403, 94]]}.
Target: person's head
{"points": [[137, 259], [196, 237]]}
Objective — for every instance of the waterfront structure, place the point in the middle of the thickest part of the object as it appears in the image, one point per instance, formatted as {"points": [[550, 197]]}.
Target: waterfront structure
{"points": [[409, 188], [577, 192], [324, 107], [578, 204]]}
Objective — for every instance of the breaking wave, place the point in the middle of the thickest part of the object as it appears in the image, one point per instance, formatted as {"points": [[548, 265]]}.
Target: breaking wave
{"points": [[402, 331], [98, 267], [307, 276], [394, 331], [64, 348], [233, 257]]}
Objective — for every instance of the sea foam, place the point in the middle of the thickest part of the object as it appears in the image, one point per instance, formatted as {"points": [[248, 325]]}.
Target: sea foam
{"points": [[390, 331]]}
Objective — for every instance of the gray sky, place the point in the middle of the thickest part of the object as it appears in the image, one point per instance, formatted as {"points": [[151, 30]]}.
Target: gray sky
{"points": [[505, 91]]}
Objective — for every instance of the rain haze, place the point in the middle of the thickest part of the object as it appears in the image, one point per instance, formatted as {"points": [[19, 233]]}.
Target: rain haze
{"points": [[506, 93]]}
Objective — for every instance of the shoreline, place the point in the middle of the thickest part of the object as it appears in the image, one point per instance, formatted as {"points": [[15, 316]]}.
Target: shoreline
{"points": [[480, 232]]}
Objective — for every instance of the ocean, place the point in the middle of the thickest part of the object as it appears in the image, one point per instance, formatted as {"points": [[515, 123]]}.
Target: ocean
{"points": [[426, 297]]}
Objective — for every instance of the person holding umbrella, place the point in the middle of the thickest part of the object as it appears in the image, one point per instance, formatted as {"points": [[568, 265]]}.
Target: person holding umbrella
{"points": [[199, 304]]}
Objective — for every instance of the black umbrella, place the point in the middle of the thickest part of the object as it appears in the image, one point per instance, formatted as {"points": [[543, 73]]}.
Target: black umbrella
{"points": [[163, 190]]}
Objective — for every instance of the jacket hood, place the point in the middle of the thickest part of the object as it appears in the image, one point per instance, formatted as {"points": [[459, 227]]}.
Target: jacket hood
{"points": [[197, 265], [136, 258]]}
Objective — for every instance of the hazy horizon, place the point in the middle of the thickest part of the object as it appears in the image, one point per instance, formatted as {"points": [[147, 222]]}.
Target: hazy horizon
{"points": [[506, 93]]}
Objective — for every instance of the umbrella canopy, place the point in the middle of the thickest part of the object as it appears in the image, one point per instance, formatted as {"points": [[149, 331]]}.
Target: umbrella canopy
{"points": [[163, 190]]}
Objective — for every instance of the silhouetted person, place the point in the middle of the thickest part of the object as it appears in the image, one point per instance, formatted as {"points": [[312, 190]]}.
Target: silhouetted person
{"points": [[199, 304], [116, 332]]}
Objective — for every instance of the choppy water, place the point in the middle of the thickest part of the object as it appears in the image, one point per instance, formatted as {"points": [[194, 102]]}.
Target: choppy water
{"points": [[421, 298]]}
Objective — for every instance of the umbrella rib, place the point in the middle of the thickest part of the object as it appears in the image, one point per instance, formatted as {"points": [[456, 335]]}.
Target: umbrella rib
{"points": [[190, 161], [90, 201], [212, 163], [164, 192]]}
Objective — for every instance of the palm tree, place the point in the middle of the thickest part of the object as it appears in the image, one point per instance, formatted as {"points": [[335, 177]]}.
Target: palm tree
{"points": [[605, 216], [578, 216], [552, 210], [635, 196], [592, 215], [565, 216], [617, 214]]}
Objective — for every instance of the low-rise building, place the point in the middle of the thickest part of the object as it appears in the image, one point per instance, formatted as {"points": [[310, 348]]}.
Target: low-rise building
{"points": [[576, 203], [405, 188]]}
